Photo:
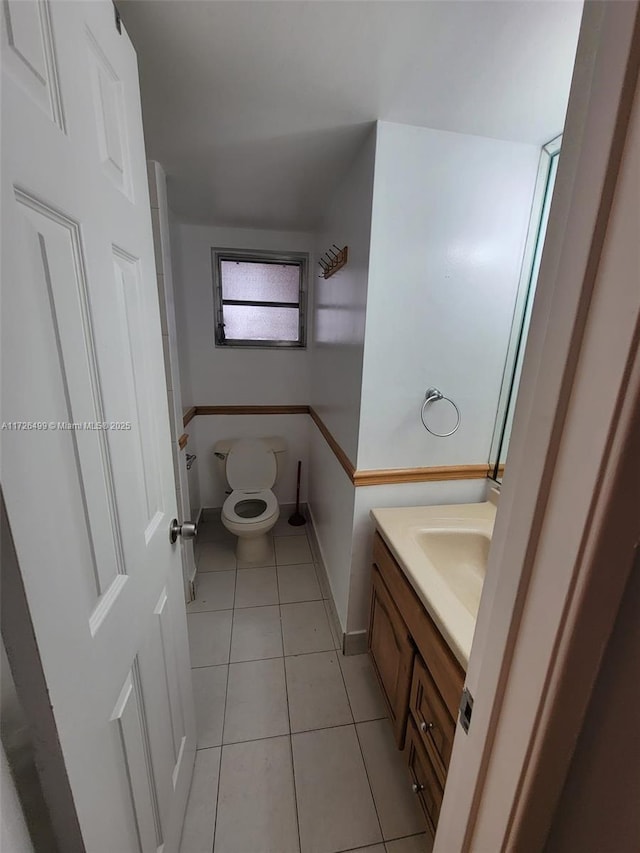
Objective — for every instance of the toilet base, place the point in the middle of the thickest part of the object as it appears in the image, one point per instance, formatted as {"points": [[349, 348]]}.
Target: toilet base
{"points": [[253, 549]]}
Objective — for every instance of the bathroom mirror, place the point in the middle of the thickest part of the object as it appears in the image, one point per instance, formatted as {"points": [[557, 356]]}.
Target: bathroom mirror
{"points": [[543, 194]]}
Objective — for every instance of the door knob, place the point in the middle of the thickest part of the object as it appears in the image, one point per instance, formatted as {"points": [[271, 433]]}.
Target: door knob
{"points": [[426, 726], [188, 530], [417, 787]]}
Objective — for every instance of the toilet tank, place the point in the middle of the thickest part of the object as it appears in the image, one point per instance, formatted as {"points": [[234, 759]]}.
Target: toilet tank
{"points": [[278, 445], [221, 449]]}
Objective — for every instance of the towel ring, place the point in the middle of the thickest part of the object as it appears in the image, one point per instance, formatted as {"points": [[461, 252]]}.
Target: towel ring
{"points": [[432, 396]]}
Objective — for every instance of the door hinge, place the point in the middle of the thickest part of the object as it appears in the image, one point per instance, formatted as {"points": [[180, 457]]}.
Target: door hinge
{"points": [[466, 709], [192, 591], [118, 19]]}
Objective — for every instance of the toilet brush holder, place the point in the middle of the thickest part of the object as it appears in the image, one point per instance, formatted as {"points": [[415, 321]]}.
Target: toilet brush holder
{"points": [[298, 519]]}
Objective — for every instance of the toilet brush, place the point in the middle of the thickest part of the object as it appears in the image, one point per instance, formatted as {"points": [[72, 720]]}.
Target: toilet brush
{"points": [[297, 519]]}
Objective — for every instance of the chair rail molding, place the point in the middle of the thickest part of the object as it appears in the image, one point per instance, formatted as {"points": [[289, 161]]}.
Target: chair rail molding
{"points": [[367, 477]]}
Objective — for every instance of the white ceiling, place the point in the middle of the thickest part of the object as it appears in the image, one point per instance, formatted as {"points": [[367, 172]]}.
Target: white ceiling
{"points": [[255, 109]]}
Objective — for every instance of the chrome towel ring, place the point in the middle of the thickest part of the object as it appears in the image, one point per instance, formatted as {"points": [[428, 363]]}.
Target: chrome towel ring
{"points": [[432, 396]]}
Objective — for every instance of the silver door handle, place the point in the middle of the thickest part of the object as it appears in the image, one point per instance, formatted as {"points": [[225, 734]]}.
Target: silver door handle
{"points": [[188, 530]]}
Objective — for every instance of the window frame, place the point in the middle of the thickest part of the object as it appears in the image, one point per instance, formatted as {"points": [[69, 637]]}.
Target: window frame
{"points": [[301, 259]]}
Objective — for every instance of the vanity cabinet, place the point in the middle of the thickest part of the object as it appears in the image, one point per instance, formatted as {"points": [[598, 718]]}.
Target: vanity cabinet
{"points": [[420, 678], [433, 719], [392, 651]]}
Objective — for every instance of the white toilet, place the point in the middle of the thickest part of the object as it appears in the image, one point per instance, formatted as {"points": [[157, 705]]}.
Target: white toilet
{"points": [[251, 510]]}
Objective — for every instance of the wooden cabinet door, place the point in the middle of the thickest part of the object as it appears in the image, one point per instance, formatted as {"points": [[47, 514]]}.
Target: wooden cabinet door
{"points": [[392, 653]]}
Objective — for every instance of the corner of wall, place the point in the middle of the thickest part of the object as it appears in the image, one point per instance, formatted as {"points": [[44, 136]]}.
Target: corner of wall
{"points": [[336, 368]]}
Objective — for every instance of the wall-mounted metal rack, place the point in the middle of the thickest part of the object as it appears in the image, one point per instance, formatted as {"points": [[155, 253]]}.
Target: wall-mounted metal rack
{"points": [[332, 261]]}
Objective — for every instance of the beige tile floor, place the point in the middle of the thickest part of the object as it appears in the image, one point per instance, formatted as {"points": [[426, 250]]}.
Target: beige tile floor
{"points": [[295, 754]]}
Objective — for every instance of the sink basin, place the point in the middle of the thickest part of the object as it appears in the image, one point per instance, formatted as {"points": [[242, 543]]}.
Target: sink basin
{"points": [[459, 556], [443, 552]]}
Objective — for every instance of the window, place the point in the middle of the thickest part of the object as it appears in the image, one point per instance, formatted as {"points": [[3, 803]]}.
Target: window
{"points": [[259, 298]]}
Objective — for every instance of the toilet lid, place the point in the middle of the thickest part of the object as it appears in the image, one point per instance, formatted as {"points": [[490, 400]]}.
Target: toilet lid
{"points": [[251, 465]]}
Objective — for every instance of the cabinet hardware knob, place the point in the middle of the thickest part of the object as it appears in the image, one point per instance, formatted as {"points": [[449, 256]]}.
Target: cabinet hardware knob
{"points": [[417, 787], [426, 726]]}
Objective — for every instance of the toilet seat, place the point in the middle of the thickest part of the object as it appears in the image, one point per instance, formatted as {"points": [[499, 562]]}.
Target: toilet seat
{"points": [[238, 495]]}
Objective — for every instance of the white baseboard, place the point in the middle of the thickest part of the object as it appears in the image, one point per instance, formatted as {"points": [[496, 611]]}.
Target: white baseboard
{"points": [[355, 642], [323, 578]]}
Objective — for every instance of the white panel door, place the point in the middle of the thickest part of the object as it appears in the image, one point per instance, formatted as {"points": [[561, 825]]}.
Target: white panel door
{"points": [[86, 452]]}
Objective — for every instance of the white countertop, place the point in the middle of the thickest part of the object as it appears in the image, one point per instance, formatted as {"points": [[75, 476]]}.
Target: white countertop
{"points": [[398, 526]]}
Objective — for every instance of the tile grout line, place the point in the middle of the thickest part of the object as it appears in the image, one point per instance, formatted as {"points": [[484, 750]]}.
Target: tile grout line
{"points": [[301, 732], [366, 771], [286, 690], [256, 606], [353, 723], [224, 714], [257, 566], [356, 724], [215, 819], [273, 566], [270, 657], [364, 763], [402, 837], [226, 692], [283, 657]]}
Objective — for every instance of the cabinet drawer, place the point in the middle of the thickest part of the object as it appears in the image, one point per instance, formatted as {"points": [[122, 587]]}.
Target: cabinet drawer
{"points": [[392, 654], [426, 784], [435, 725]]}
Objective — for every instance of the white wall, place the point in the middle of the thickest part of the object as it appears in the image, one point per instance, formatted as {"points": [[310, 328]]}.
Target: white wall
{"points": [[331, 502], [233, 376], [340, 304], [336, 369], [435, 249], [180, 303], [450, 215], [193, 474], [227, 375]]}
